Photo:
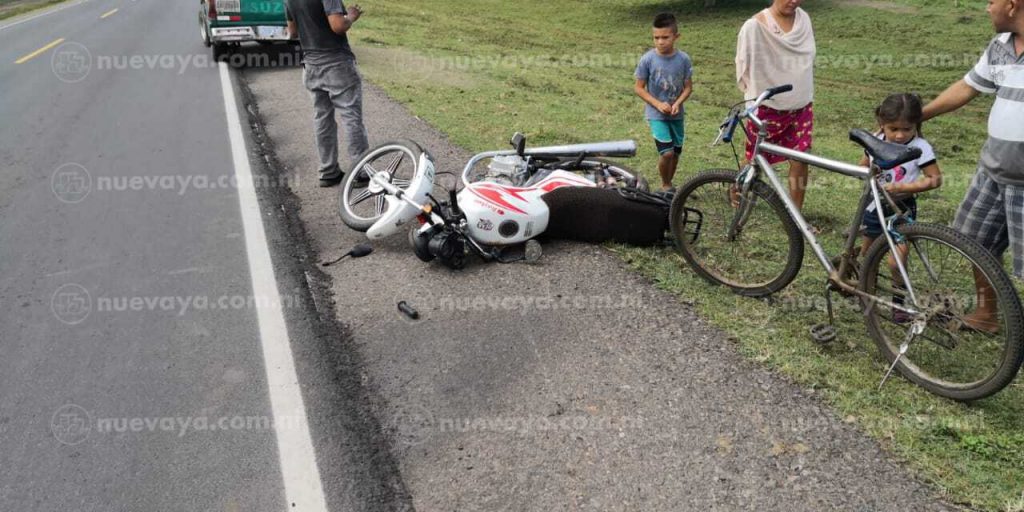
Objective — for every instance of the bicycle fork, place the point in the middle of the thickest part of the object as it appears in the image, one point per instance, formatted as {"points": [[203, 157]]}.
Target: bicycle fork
{"points": [[742, 193]]}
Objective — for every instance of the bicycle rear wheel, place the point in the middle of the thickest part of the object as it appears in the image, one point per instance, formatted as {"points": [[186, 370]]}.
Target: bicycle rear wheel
{"points": [[949, 358], [750, 245]]}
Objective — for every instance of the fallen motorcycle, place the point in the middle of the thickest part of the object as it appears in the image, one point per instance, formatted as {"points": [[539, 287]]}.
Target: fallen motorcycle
{"points": [[497, 218], [361, 206]]}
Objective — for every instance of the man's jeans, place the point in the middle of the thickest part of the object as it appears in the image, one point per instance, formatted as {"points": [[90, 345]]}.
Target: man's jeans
{"points": [[336, 87]]}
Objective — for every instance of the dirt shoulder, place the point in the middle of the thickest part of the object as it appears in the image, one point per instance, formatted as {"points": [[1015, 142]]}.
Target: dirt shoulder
{"points": [[571, 384]]}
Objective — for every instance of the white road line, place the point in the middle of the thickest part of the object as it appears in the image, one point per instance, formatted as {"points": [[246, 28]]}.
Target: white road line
{"points": [[44, 13], [302, 486]]}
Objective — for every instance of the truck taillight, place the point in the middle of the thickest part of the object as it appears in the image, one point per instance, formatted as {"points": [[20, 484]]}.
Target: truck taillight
{"points": [[213, 9]]}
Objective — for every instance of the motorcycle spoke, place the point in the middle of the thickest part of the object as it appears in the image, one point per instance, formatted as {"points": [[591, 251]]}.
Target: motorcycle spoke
{"points": [[394, 163], [370, 171], [362, 196]]}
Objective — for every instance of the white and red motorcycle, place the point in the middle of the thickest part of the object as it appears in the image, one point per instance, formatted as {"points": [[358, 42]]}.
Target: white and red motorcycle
{"points": [[496, 218]]}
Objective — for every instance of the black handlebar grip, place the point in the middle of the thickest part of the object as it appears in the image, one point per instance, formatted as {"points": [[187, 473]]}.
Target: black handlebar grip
{"points": [[730, 132], [780, 89], [408, 310]]}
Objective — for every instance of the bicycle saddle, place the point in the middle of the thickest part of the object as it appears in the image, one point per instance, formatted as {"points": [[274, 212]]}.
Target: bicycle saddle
{"points": [[885, 154]]}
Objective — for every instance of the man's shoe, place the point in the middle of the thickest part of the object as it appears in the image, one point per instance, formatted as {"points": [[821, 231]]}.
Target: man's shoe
{"points": [[362, 179], [331, 182]]}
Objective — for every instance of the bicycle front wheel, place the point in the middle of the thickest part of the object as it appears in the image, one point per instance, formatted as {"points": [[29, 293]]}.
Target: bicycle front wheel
{"points": [[749, 244], [971, 346]]}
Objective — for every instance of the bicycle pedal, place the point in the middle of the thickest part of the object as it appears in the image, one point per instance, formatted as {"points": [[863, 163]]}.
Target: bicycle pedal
{"points": [[823, 333]]}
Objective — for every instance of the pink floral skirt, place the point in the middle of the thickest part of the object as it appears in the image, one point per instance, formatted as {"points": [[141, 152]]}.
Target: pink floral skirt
{"points": [[791, 129]]}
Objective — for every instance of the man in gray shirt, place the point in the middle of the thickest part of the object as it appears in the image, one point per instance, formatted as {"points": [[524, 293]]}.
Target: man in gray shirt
{"points": [[993, 210], [331, 76]]}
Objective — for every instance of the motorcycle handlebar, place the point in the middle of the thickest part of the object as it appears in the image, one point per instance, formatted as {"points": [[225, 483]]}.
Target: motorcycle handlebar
{"points": [[617, 149]]}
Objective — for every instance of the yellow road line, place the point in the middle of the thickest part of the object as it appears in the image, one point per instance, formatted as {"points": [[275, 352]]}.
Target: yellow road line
{"points": [[37, 52], [108, 13]]}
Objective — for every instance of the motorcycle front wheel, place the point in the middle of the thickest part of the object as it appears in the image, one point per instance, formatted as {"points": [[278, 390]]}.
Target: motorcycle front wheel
{"points": [[362, 201]]}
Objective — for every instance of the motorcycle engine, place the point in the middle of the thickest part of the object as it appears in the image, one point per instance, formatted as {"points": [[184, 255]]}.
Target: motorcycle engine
{"points": [[507, 170], [445, 245], [450, 249]]}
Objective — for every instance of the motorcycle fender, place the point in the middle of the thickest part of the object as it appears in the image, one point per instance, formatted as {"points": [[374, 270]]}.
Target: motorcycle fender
{"points": [[399, 213]]}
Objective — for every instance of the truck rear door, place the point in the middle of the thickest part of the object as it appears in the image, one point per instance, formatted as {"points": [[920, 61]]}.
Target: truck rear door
{"points": [[263, 12]]}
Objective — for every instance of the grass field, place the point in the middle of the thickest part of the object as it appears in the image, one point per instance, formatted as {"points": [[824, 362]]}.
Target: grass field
{"points": [[562, 72], [11, 8]]}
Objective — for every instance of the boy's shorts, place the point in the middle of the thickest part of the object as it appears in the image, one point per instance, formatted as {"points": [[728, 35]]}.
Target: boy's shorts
{"points": [[874, 229], [993, 214], [668, 135], [793, 129]]}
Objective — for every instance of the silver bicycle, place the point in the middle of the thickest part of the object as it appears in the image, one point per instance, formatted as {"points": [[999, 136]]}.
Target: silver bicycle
{"points": [[925, 289]]}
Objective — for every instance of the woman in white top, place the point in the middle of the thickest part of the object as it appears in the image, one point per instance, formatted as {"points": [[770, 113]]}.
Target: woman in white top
{"points": [[776, 47]]}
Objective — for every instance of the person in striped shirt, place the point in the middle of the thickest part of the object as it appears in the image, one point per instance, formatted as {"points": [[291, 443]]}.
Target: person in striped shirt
{"points": [[993, 210]]}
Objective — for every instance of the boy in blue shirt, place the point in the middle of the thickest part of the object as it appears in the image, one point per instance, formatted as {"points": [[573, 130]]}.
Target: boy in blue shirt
{"points": [[664, 82]]}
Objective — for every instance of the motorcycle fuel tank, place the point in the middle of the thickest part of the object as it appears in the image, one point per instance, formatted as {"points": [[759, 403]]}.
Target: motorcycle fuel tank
{"points": [[502, 215]]}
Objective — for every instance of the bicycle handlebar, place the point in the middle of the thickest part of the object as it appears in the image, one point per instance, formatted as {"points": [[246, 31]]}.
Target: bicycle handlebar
{"points": [[728, 128], [779, 90]]}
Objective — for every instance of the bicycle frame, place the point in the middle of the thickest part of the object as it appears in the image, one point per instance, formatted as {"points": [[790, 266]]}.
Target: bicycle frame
{"points": [[873, 193]]}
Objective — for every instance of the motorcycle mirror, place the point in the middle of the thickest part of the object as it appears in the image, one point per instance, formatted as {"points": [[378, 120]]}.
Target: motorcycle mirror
{"points": [[358, 251], [519, 143], [361, 250]]}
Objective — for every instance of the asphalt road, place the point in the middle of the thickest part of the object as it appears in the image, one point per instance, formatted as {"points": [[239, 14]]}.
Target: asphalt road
{"points": [[134, 374], [142, 369]]}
